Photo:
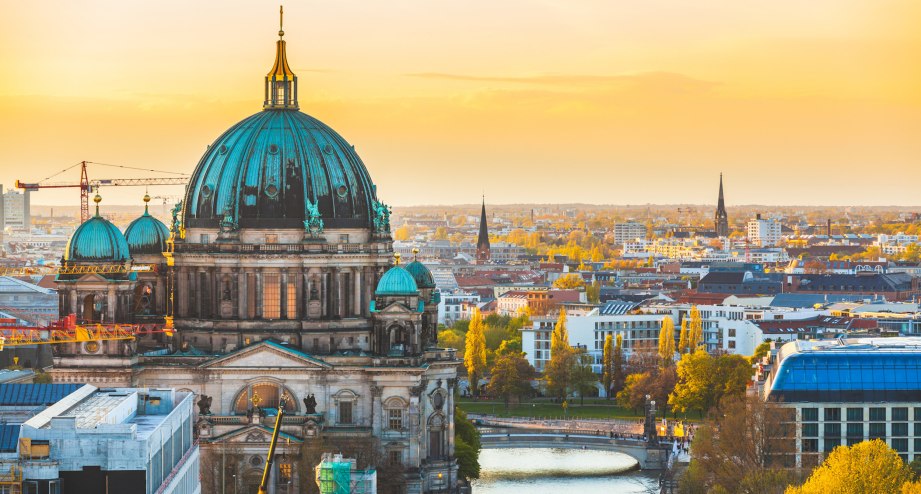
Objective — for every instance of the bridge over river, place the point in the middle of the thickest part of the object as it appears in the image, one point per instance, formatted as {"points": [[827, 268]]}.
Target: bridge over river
{"points": [[649, 457]]}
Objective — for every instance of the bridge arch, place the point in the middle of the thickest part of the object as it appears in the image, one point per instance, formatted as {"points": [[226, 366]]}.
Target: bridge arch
{"points": [[647, 457]]}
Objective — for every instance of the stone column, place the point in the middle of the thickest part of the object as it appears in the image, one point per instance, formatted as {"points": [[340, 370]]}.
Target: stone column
{"points": [[324, 293], [242, 293], [283, 294], [259, 290], [356, 277], [340, 294], [112, 302], [376, 410]]}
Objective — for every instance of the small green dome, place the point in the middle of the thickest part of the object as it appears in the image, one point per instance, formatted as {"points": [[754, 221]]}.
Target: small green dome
{"points": [[421, 274], [97, 239], [146, 235], [397, 281]]}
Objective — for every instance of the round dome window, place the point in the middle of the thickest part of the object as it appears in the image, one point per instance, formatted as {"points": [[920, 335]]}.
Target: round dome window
{"points": [[271, 190], [328, 149], [341, 190], [222, 149], [206, 191], [273, 149]]}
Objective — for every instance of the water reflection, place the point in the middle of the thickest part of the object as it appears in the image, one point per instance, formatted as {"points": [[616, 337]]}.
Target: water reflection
{"points": [[546, 471]]}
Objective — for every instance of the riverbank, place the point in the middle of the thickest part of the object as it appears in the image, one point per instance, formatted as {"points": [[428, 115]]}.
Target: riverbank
{"points": [[544, 409]]}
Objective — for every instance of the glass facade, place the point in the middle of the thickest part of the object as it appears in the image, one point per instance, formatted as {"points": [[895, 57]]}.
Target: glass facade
{"points": [[846, 376]]}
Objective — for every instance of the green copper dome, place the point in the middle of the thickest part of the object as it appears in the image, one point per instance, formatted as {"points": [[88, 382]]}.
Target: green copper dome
{"points": [[146, 235], [421, 274], [97, 239], [397, 281]]}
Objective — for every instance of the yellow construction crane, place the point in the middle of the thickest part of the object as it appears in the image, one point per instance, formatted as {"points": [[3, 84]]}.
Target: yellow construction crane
{"points": [[67, 331], [82, 269]]}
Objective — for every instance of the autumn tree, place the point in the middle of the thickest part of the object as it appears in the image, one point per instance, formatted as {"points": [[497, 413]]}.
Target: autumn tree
{"points": [[475, 351], [466, 446], [617, 365], [683, 341], [868, 467], [441, 233], [402, 233], [745, 448], [569, 282], [558, 370], [607, 365], [704, 380], [695, 330], [507, 380], [657, 383], [667, 341], [593, 292]]}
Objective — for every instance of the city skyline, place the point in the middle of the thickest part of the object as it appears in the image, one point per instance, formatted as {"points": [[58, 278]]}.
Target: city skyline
{"points": [[804, 98]]}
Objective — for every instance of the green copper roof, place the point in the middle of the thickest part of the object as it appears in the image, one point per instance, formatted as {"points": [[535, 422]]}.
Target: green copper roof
{"points": [[397, 281], [146, 235], [421, 274], [97, 239]]}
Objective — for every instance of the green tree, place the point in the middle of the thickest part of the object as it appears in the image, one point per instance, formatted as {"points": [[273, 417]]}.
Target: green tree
{"points": [[760, 351], [466, 446], [558, 370], [451, 338], [867, 467], [607, 365], [583, 377], [667, 341], [475, 352]]}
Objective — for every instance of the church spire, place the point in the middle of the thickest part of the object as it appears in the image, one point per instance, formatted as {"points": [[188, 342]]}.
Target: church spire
{"points": [[482, 241], [721, 218], [280, 82]]}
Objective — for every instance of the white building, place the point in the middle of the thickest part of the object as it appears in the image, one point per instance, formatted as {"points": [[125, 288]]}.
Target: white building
{"points": [[763, 232], [628, 231], [15, 210], [456, 307]]}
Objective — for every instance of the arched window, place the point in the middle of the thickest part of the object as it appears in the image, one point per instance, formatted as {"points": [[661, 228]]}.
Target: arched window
{"points": [[395, 414], [346, 407], [264, 395], [437, 447]]}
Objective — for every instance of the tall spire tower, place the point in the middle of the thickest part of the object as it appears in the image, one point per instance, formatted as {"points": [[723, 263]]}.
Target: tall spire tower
{"points": [[280, 82], [721, 219], [482, 241]]}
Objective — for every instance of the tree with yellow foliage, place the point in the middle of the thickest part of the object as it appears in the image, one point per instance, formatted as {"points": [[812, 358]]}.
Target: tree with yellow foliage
{"points": [[695, 329], [683, 341], [402, 233], [569, 281], [559, 370], [475, 351], [667, 341], [867, 467]]}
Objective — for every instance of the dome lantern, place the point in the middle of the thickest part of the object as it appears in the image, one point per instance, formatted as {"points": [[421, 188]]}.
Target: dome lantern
{"points": [[280, 82]]}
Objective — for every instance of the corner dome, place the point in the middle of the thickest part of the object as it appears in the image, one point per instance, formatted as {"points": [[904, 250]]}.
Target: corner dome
{"points": [[266, 170], [146, 235], [97, 240], [397, 281], [421, 275]]}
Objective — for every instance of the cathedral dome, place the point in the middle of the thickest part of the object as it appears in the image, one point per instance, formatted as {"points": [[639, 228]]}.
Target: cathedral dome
{"points": [[269, 169], [97, 239], [421, 275], [146, 235], [397, 281]]}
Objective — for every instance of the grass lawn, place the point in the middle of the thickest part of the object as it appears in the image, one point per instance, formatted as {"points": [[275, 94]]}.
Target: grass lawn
{"points": [[543, 408]]}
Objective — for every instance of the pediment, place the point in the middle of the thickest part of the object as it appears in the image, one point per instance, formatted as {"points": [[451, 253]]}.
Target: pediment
{"points": [[266, 355], [253, 434]]}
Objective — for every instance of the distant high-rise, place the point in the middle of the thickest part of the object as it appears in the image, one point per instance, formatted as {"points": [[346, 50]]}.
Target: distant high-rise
{"points": [[482, 241], [721, 219]]}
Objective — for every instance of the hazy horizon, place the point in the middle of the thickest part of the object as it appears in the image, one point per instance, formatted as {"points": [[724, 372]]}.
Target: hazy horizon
{"points": [[588, 101]]}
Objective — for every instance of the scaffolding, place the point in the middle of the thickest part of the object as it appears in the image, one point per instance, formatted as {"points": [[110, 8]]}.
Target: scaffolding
{"points": [[336, 475], [11, 481]]}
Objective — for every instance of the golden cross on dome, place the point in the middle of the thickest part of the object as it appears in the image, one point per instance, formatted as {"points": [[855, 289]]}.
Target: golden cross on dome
{"points": [[281, 20]]}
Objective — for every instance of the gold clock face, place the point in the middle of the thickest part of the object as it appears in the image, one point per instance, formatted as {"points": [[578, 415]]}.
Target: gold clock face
{"points": [[91, 346]]}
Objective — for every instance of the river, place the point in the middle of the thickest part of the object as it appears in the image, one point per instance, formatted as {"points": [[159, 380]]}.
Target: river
{"points": [[547, 471]]}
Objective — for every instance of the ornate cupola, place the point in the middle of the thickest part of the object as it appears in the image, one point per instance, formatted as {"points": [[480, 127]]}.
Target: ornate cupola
{"points": [[280, 82]]}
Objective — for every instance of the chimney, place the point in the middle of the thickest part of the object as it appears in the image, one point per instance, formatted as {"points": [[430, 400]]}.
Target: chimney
{"points": [[828, 228]]}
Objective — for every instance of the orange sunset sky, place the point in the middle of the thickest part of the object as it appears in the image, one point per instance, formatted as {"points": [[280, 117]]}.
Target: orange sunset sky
{"points": [[612, 101]]}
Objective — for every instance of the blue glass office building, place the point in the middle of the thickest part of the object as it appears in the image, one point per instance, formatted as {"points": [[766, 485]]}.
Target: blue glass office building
{"points": [[849, 390]]}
